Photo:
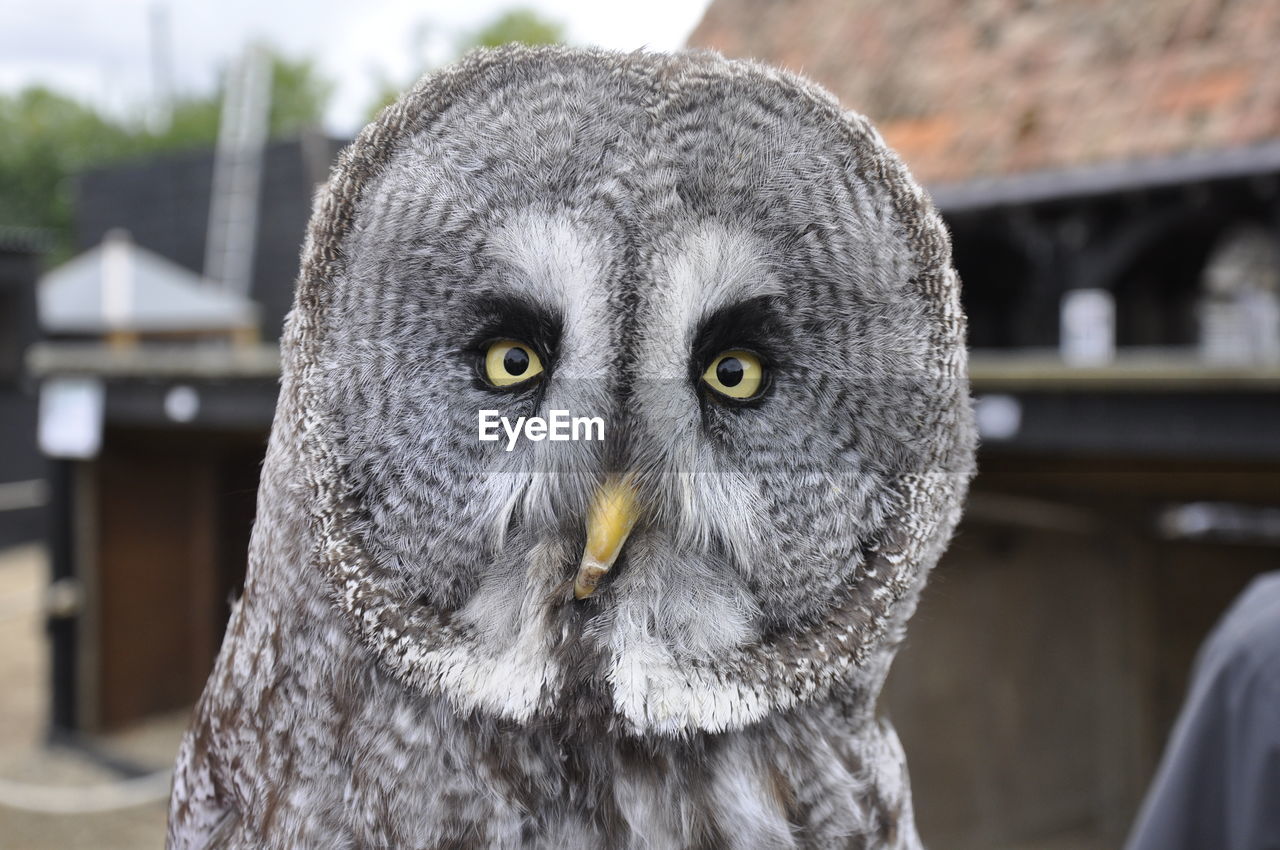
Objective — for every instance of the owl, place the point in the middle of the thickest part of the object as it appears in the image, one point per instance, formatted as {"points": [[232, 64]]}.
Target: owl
{"points": [[669, 631]]}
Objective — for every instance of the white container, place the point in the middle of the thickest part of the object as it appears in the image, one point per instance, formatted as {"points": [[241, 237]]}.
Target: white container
{"points": [[1088, 327]]}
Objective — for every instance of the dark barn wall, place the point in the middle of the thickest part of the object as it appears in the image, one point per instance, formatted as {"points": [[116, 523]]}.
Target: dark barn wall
{"points": [[1051, 651], [1052, 648], [20, 460], [164, 204]]}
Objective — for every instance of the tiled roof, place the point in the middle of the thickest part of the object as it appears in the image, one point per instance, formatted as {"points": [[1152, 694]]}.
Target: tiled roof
{"points": [[996, 87]]}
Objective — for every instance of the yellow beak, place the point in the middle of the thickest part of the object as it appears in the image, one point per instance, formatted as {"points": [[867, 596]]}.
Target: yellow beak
{"points": [[609, 522]]}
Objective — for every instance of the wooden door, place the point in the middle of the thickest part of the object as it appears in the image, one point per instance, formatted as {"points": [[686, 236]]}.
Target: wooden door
{"points": [[171, 518]]}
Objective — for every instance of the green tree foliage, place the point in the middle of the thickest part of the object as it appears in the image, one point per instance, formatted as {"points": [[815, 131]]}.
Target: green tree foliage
{"points": [[299, 95], [45, 137], [519, 26], [514, 26]]}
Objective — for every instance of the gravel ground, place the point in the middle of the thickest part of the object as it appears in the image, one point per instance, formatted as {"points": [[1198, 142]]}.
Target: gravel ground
{"points": [[54, 796]]}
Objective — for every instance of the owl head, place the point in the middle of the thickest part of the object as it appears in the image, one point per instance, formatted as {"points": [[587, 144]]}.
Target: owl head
{"points": [[743, 288]]}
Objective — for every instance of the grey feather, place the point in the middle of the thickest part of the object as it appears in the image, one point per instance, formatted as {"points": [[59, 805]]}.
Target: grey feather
{"points": [[407, 666]]}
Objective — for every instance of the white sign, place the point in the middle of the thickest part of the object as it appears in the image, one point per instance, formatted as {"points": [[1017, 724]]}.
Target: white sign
{"points": [[71, 417]]}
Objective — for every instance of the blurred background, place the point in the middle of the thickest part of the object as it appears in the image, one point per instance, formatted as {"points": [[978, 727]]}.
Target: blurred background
{"points": [[1111, 176]]}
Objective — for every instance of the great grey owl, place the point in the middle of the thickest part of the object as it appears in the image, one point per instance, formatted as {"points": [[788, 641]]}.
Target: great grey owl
{"points": [[671, 637]]}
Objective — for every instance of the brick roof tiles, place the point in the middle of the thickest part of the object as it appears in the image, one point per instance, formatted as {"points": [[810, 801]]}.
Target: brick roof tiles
{"points": [[997, 87]]}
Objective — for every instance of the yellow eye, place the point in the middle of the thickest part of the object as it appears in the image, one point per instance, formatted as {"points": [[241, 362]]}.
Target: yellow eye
{"points": [[507, 363], [736, 374]]}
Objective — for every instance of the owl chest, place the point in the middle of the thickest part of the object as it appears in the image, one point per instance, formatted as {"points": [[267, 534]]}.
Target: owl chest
{"points": [[464, 784], [453, 782]]}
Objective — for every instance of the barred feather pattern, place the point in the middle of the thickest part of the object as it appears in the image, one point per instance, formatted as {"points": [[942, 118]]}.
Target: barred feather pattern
{"points": [[407, 666]]}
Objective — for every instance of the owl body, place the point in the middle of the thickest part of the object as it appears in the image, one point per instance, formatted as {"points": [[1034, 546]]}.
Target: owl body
{"points": [[671, 637], [378, 767]]}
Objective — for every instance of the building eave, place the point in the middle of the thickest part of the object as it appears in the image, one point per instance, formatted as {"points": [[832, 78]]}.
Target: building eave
{"points": [[1109, 178]]}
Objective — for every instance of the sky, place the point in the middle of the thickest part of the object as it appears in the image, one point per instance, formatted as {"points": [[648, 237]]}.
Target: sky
{"points": [[101, 50]]}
